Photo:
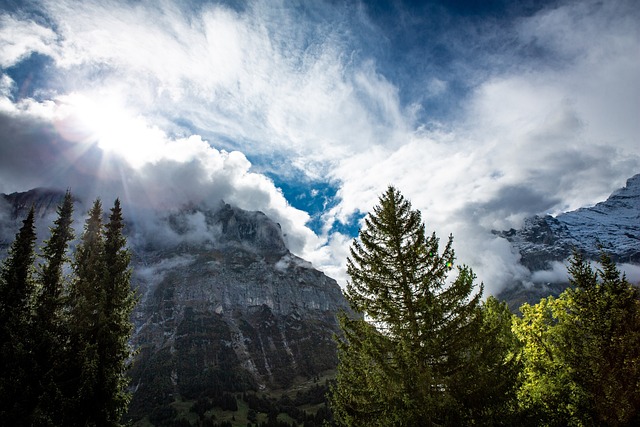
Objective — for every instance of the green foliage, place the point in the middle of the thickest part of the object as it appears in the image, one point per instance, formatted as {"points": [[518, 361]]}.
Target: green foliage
{"points": [[582, 350], [419, 355], [120, 300], [55, 255], [101, 304], [429, 353], [65, 342], [17, 271], [487, 386]]}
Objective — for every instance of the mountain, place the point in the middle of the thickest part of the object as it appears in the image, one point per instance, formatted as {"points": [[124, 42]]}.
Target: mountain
{"points": [[224, 305], [241, 314], [613, 225], [15, 206]]}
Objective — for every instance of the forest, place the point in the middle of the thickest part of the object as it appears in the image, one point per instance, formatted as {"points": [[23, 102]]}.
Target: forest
{"points": [[427, 348], [430, 351], [65, 323]]}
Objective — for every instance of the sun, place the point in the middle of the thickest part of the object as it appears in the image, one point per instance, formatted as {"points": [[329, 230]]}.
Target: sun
{"points": [[116, 129]]}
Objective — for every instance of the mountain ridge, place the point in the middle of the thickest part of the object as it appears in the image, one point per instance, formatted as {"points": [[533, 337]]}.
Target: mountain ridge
{"points": [[611, 226], [224, 305]]}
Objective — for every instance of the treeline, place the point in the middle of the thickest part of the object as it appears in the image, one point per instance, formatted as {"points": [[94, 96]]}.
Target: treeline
{"points": [[64, 323], [429, 351], [256, 407]]}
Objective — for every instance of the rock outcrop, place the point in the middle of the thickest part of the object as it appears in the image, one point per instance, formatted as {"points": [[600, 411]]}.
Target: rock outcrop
{"points": [[613, 225], [226, 308], [236, 312]]}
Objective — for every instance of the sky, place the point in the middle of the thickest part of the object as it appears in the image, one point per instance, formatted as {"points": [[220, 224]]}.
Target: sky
{"points": [[480, 113]]}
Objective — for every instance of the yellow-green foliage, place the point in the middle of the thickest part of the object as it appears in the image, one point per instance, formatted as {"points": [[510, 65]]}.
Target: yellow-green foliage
{"points": [[581, 351]]}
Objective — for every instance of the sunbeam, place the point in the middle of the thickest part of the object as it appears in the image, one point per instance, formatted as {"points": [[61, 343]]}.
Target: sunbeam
{"points": [[116, 129]]}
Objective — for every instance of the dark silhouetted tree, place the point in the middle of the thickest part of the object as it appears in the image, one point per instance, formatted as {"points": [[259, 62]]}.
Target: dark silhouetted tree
{"points": [[87, 296], [64, 340], [17, 291], [101, 304], [114, 349], [50, 322]]}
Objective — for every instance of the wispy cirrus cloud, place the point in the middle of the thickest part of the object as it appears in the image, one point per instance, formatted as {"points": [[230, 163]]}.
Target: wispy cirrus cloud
{"points": [[480, 121], [20, 38]]}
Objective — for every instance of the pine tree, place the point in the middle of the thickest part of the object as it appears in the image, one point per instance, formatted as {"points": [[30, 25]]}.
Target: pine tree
{"points": [[51, 326], [64, 344], [114, 350], [86, 319], [17, 289], [487, 388], [402, 363], [101, 305], [601, 342], [55, 256]]}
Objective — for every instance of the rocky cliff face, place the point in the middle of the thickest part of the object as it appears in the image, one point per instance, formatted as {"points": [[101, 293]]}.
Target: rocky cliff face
{"points": [[241, 313], [224, 305], [14, 208], [613, 225]]}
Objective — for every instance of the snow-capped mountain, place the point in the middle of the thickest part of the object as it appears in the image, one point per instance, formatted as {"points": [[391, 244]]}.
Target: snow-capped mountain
{"points": [[613, 225]]}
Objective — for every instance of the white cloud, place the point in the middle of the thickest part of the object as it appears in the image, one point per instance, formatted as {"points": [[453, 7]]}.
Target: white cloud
{"points": [[557, 274], [330, 255], [20, 38], [563, 130], [632, 273], [177, 172], [557, 124]]}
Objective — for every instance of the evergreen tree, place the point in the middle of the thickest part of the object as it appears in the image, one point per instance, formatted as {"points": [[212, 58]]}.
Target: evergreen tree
{"points": [[488, 387], [404, 362], [17, 290], [582, 351], [114, 350], [64, 345], [87, 297], [50, 326], [54, 254], [101, 305], [601, 342]]}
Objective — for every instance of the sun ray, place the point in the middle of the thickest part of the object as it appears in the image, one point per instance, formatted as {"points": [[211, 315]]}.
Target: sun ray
{"points": [[116, 129]]}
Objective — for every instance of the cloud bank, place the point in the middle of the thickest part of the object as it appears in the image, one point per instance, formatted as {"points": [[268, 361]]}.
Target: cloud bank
{"points": [[479, 122]]}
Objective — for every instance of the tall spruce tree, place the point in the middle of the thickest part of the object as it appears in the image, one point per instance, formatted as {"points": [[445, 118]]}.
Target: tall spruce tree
{"points": [[17, 290], [487, 389], [114, 349], [402, 364], [87, 296], [50, 321], [101, 304], [54, 254], [64, 342]]}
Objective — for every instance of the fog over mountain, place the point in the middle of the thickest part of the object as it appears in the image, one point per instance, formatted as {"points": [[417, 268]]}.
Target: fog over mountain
{"points": [[482, 113], [545, 243], [221, 300]]}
